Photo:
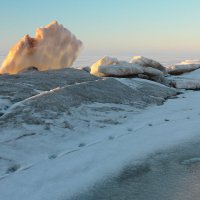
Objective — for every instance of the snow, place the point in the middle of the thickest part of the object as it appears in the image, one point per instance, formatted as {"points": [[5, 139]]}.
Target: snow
{"points": [[74, 146], [4, 104], [100, 156], [192, 75], [57, 164]]}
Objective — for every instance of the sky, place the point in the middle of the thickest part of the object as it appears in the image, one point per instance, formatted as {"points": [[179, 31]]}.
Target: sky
{"points": [[109, 26]]}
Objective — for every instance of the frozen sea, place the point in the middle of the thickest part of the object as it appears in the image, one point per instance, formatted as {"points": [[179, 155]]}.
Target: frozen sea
{"points": [[86, 60]]}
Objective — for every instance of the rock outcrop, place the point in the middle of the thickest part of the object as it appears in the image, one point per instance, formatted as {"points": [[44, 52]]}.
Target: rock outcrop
{"points": [[52, 93]]}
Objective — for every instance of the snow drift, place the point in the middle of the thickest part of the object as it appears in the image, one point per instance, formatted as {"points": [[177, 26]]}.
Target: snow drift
{"points": [[53, 47]]}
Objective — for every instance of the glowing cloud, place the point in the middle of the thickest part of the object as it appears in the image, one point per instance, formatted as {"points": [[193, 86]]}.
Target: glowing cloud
{"points": [[53, 47]]}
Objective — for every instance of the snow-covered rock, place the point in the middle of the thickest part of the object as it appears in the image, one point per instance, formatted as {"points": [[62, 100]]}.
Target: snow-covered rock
{"points": [[53, 47], [152, 71], [54, 92], [105, 61], [146, 62], [186, 62], [109, 66], [182, 68], [187, 75], [119, 70]]}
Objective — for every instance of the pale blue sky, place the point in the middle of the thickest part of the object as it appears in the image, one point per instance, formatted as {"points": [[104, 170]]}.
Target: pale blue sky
{"points": [[109, 26]]}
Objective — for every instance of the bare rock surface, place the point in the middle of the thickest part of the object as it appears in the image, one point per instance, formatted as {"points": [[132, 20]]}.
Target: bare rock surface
{"points": [[34, 96]]}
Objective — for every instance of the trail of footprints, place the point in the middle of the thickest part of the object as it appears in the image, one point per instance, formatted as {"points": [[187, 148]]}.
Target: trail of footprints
{"points": [[16, 168]]}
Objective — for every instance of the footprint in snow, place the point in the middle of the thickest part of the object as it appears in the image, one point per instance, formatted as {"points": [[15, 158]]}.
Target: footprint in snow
{"points": [[81, 144], [111, 137], [53, 156]]}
